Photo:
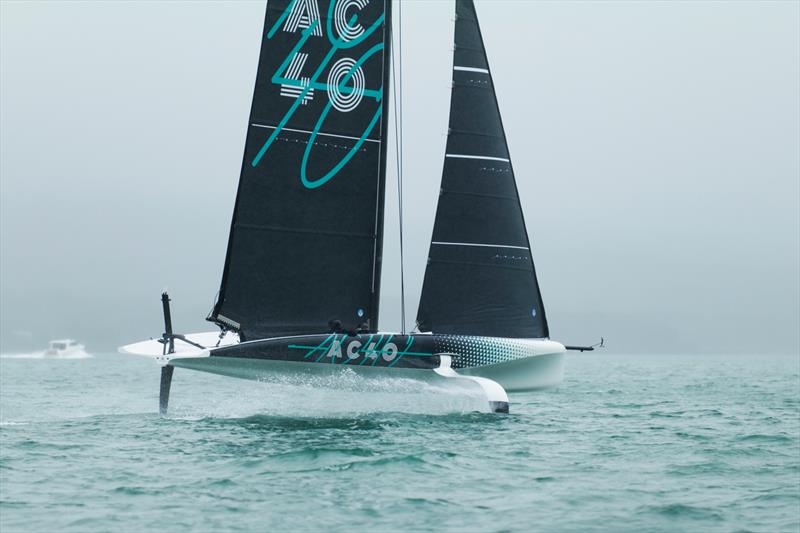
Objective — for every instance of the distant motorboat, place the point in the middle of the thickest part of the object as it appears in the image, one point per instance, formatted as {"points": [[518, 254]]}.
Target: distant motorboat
{"points": [[66, 348]]}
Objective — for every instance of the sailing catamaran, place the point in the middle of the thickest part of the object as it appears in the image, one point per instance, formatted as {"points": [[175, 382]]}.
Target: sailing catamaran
{"points": [[302, 276]]}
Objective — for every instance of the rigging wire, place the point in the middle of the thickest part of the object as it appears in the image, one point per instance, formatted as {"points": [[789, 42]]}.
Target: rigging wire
{"points": [[397, 79]]}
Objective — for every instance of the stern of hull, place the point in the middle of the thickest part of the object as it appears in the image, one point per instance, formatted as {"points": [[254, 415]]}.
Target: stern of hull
{"points": [[525, 374]]}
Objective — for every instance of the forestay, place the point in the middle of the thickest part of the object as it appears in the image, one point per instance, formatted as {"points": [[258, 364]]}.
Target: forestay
{"points": [[480, 278], [306, 235]]}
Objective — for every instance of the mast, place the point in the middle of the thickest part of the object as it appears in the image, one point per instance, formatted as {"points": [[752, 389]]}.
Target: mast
{"points": [[480, 278], [305, 246]]}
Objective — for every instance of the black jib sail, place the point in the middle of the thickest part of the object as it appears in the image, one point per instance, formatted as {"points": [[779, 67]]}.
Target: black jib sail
{"points": [[480, 278], [304, 253]]}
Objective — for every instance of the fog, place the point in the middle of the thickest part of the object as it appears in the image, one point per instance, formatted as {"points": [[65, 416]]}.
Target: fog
{"points": [[656, 148]]}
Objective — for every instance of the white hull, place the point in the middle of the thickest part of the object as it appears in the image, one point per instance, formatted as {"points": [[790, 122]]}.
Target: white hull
{"points": [[520, 375], [347, 377], [542, 368], [337, 361]]}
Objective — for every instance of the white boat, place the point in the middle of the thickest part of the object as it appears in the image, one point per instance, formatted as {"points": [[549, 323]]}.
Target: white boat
{"points": [[301, 284], [65, 349]]}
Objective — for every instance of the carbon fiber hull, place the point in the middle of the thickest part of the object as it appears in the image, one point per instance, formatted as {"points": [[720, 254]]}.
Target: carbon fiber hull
{"points": [[516, 364]]}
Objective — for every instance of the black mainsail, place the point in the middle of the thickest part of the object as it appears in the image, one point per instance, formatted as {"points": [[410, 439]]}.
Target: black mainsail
{"points": [[480, 279], [306, 236]]}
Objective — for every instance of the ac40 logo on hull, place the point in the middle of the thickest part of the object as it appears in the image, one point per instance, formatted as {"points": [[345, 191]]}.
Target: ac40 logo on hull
{"points": [[345, 83], [348, 350], [353, 351]]}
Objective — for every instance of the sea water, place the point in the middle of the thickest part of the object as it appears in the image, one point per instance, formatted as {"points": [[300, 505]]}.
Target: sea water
{"points": [[627, 443]]}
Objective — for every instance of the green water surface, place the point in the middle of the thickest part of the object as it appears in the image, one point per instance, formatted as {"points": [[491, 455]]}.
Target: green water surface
{"points": [[627, 443]]}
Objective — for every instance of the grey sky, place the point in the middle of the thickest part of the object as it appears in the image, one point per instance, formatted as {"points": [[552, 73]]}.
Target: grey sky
{"points": [[655, 146]]}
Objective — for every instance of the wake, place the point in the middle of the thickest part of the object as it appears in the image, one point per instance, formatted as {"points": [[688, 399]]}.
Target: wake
{"points": [[40, 355]]}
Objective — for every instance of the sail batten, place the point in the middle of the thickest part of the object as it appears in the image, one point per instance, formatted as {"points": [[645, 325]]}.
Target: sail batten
{"points": [[480, 278], [323, 133], [481, 244], [472, 156], [306, 234]]}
